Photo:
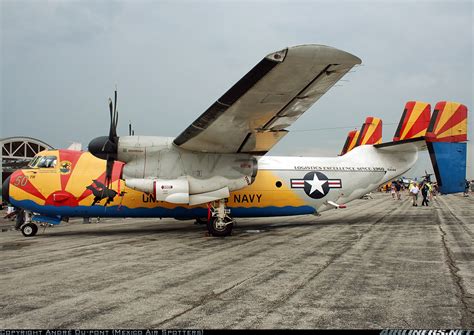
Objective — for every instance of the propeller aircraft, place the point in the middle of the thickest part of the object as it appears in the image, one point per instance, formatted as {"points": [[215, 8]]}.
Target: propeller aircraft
{"points": [[217, 168]]}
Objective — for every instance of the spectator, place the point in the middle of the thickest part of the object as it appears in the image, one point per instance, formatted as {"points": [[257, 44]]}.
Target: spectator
{"points": [[398, 188], [425, 190], [414, 193]]}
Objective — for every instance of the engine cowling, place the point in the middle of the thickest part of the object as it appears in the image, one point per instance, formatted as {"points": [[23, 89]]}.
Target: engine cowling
{"points": [[175, 191], [188, 190]]}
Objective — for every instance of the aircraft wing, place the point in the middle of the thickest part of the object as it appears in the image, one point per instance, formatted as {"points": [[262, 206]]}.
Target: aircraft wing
{"points": [[252, 116]]}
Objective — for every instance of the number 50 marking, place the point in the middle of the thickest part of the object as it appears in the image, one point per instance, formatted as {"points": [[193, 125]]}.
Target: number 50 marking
{"points": [[21, 181]]}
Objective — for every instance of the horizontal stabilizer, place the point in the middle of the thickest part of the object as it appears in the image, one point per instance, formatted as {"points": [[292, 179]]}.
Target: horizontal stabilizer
{"points": [[350, 141], [371, 132], [448, 123], [409, 145], [414, 122]]}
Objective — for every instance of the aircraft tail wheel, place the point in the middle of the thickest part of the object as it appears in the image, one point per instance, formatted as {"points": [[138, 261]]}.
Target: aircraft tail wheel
{"points": [[220, 227], [29, 230]]}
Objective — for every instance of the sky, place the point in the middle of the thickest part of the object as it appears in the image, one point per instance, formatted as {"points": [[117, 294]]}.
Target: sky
{"points": [[170, 60]]}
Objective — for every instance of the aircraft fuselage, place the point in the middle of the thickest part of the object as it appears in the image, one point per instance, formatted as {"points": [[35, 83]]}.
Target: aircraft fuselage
{"points": [[282, 186]]}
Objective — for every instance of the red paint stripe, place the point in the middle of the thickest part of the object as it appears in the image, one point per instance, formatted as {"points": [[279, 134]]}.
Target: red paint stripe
{"points": [[458, 116], [440, 108], [455, 138], [72, 157], [377, 134], [409, 107], [420, 124], [18, 178], [348, 142]]}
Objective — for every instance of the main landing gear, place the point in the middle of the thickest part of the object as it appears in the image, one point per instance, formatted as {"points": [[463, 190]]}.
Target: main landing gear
{"points": [[219, 222]]}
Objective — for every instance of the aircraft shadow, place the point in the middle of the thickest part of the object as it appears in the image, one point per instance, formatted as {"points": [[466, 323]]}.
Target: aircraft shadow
{"points": [[192, 229]]}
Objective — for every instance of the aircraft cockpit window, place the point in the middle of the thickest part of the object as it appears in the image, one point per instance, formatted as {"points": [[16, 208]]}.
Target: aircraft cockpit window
{"points": [[47, 162], [34, 161]]}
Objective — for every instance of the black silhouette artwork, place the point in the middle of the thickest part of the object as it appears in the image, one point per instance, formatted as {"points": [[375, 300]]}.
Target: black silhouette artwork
{"points": [[100, 191]]}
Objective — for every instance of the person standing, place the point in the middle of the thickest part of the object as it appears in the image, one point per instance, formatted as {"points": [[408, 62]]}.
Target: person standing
{"points": [[398, 188], [414, 193], [425, 190]]}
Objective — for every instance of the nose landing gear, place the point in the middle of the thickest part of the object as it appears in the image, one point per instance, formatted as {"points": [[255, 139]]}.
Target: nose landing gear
{"points": [[29, 229]]}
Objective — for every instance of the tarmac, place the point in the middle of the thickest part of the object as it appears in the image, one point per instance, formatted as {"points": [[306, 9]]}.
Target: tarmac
{"points": [[380, 263]]}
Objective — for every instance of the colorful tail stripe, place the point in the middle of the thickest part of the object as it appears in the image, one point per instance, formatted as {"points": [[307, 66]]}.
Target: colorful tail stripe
{"points": [[414, 122], [350, 141], [371, 132], [448, 123]]}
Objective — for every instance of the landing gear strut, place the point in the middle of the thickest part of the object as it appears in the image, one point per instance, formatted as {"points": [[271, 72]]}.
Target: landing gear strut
{"points": [[24, 223], [220, 223]]}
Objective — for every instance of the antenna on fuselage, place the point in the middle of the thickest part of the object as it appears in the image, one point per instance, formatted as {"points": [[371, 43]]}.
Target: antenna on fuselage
{"points": [[131, 132]]}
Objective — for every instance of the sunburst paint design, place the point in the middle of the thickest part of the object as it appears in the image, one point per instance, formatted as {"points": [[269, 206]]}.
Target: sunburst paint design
{"points": [[448, 123], [414, 121]]}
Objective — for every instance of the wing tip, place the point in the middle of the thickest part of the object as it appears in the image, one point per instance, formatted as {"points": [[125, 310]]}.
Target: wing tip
{"points": [[326, 52]]}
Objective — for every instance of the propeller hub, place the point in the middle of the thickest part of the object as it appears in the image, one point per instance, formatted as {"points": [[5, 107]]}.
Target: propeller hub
{"points": [[102, 147]]}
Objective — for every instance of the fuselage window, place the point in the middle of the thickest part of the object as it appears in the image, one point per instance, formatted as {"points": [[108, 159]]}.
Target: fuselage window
{"points": [[47, 162]]}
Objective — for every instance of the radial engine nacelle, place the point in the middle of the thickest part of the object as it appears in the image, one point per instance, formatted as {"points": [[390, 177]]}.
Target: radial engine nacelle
{"points": [[184, 190], [155, 165]]}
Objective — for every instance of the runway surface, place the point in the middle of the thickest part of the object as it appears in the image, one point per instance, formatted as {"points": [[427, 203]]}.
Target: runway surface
{"points": [[380, 263]]}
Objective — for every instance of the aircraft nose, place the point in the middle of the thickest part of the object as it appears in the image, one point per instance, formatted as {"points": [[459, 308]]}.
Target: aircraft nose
{"points": [[6, 190]]}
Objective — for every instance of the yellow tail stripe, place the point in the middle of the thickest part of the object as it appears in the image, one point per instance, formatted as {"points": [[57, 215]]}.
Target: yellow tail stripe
{"points": [[446, 114], [458, 129]]}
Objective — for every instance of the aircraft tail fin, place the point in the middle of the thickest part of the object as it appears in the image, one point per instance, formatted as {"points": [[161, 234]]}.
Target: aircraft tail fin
{"points": [[449, 123], [350, 141], [446, 136], [443, 134], [414, 121], [371, 132]]}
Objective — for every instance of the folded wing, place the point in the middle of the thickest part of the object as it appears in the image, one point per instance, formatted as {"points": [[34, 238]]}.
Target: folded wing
{"points": [[252, 116]]}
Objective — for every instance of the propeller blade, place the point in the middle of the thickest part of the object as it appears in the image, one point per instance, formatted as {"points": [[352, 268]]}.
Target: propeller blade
{"points": [[111, 119], [115, 123], [115, 103], [114, 119], [108, 171]]}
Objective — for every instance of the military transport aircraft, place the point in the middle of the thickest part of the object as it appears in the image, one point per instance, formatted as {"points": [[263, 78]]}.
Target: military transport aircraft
{"points": [[217, 168]]}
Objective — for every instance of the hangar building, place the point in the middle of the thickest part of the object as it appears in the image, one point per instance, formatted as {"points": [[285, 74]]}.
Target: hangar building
{"points": [[17, 152]]}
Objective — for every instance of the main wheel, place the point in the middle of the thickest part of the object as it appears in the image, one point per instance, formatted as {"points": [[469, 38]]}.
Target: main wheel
{"points": [[29, 229], [217, 228]]}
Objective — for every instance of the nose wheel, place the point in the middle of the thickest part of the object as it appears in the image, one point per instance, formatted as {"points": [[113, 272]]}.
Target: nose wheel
{"points": [[29, 229], [219, 223]]}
